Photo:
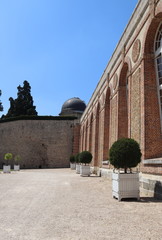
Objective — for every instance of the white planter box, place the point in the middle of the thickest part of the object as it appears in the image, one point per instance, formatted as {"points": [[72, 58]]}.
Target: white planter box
{"points": [[78, 168], [6, 168], [16, 167], [73, 166], [85, 170], [125, 185]]}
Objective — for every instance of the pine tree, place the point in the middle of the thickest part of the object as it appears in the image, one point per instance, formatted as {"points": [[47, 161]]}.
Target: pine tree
{"points": [[23, 104], [1, 107]]}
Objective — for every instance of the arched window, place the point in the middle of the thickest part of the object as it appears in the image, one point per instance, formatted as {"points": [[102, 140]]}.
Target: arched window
{"points": [[158, 58]]}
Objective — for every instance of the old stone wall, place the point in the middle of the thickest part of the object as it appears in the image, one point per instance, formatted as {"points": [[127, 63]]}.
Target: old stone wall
{"points": [[40, 143]]}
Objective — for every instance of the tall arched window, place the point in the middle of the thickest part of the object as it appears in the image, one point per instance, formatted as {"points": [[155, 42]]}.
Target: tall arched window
{"points": [[158, 58]]}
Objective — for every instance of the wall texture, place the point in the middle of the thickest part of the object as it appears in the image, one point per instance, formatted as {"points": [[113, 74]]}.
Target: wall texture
{"points": [[40, 143]]}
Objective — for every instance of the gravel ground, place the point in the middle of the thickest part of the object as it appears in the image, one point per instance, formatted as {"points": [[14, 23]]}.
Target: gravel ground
{"points": [[58, 204]]}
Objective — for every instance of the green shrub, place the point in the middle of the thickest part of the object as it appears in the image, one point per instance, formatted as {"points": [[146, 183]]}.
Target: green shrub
{"points": [[77, 158], [125, 153], [85, 157], [72, 159], [17, 159], [7, 157]]}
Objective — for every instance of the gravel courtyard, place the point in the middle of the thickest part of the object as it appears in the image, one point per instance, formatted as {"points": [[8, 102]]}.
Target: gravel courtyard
{"points": [[58, 204]]}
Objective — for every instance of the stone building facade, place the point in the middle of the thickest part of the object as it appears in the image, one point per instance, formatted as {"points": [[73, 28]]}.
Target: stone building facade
{"points": [[127, 101]]}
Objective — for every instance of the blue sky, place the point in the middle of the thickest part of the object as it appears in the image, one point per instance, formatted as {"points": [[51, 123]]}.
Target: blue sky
{"points": [[61, 47]]}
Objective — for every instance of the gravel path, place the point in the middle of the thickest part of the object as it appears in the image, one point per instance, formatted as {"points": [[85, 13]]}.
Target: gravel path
{"points": [[58, 204]]}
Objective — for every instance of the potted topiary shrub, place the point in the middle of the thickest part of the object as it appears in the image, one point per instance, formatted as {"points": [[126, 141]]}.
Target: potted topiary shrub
{"points": [[6, 166], [85, 158], [125, 154], [17, 160], [72, 162], [77, 163]]}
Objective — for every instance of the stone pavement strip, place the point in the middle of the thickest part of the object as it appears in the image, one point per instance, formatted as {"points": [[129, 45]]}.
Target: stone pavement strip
{"points": [[58, 204]]}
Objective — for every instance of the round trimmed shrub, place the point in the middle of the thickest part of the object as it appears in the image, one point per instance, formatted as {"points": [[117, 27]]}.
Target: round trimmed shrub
{"points": [[85, 157], [72, 159], [17, 159], [7, 157], [125, 153], [77, 158]]}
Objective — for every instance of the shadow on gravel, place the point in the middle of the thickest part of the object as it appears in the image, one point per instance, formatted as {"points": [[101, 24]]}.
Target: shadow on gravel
{"points": [[95, 176], [142, 200], [149, 200], [128, 200]]}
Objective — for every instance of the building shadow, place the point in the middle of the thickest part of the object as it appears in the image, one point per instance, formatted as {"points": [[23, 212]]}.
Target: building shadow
{"points": [[142, 200], [150, 200]]}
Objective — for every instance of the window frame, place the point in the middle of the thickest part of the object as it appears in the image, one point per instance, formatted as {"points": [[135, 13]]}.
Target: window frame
{"points": [[158, 55]]}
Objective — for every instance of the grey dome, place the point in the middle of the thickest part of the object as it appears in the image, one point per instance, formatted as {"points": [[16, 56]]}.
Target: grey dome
{"points": [[74, 104]]}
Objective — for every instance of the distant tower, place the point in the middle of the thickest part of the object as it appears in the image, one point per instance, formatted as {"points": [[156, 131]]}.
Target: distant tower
{"points": [[73, 107]]}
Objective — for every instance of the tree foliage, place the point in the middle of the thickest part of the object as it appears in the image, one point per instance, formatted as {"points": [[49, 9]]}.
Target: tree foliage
{"points": [[1, 107], [85, 157], [23, 104], [7, 157], [72, 159], [17, 159], [77, 158], [125, 153]]}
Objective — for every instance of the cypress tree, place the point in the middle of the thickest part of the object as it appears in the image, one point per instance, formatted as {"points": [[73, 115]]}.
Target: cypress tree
{"points": [[23, 104], [1, 107]]}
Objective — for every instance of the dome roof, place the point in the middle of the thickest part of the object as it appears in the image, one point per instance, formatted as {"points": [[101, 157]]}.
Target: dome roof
{"points": [[74, 104]]}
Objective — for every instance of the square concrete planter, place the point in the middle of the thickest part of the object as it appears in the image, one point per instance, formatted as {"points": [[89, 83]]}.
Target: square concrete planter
{"points": [[85, 170], [73, 166], [6, 168], [125, 185], [78, 168], [16, 167]]}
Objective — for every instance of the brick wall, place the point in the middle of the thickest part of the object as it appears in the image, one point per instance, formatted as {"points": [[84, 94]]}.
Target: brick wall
{"points": [[132, 108], [135, 109], [113, 119], [76, 138]]}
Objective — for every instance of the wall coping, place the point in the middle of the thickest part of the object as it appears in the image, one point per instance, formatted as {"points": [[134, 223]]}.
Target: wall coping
{"points": [[38, 118]]}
